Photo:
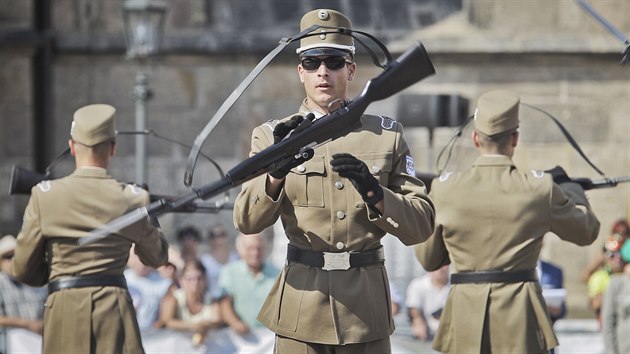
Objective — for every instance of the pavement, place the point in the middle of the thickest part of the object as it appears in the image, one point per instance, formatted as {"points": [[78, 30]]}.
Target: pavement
{"points": [[576, 336]]}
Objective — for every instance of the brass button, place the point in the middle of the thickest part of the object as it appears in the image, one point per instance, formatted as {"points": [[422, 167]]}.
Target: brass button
{"points": [[341, 215], [376, 169], [339, 185], [340, 245], [323, 35], [301, 168]]}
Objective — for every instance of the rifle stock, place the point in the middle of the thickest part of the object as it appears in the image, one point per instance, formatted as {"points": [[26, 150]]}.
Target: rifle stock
{"points": [[588, 184], [412, 66]]}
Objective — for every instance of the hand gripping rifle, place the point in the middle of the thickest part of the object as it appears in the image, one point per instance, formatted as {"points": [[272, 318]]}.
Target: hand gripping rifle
{"points": [[411, 67]]}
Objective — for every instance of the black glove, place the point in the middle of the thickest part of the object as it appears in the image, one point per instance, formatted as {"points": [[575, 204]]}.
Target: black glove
{"points": [[280, 132], [358, 173], [559, 175]]}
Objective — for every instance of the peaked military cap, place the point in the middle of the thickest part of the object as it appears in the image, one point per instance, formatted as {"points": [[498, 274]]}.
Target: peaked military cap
{"points": [[497, 112], [93, 124], [325, 44]]}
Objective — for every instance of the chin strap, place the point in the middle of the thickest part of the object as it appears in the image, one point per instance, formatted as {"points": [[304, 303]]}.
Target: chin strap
{"points": [[238, 91]]}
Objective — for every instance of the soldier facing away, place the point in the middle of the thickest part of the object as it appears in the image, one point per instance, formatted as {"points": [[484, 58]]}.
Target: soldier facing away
{"points": [[88, 309], [340, 203], [490, 223]]}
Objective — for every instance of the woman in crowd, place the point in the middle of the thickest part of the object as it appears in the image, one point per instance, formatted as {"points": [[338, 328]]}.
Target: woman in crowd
{"points": [[190, 308], [616, 312]]}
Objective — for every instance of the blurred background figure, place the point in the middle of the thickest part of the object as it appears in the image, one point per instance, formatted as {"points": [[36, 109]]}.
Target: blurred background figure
{"points": [[616, 308], [426, 296], [552, 277], [396, 298], [147, 287], [21, 306], [188, 239], [190, 308], [245, 283], [219, 254], [169, 271], [598, 281], [620, 231]]}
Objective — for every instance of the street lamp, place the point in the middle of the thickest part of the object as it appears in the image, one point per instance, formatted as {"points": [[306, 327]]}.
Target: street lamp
{"points": [[144, 25]]}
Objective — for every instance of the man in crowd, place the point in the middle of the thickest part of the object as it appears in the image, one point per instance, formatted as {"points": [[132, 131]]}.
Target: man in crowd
{"points": [[88, 308], [21, 306], [490, 224], [426, 297], [147, 287], [332, 295], [245, 283]]}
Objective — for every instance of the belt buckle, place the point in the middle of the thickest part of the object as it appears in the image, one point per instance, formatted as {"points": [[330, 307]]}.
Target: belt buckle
{"points": [[336, 261]]}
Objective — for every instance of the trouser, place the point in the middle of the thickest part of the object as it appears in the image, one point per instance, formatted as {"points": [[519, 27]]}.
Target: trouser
{"points": [[286, 345]]}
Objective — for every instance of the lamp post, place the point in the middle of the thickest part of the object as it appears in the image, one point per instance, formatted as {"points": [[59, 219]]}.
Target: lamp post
{"points": [[144, 25]]}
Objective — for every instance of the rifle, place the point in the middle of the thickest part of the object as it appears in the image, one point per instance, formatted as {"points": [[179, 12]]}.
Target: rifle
{"points": [[412, 66], [585, 183], [608, 182]]}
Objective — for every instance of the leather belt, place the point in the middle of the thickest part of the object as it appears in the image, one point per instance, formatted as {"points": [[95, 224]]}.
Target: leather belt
{"points": [[335, 260], [85, 281], [494, 276]]}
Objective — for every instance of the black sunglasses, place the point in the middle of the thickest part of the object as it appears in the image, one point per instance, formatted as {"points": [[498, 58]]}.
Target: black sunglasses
{"points": [[332, 63]]}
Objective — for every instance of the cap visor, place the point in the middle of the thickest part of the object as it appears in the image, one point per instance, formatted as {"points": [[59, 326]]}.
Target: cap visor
{"points": [[324, 52]]}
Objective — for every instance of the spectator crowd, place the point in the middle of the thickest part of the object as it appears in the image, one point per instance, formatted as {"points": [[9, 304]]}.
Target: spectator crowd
{"points": [[199, 291]]}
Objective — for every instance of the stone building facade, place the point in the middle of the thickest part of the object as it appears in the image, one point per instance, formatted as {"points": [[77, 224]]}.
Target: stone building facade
{"points": [[56, 56]]}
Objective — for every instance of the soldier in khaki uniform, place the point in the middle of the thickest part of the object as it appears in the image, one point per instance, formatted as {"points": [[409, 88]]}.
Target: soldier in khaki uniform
{"points": [[332, 296], [88, 309], [490, 223]]}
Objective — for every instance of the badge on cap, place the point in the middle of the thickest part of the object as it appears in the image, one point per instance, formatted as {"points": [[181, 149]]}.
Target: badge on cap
{"points": [[328, 19]]}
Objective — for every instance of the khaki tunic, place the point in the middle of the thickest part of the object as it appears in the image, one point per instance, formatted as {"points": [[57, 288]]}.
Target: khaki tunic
{"points": [[92, 319], [494, 217], [321, 211]]}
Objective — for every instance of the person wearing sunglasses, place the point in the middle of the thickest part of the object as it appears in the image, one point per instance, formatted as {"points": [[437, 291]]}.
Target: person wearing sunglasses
{"points": [[333, 295]]}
